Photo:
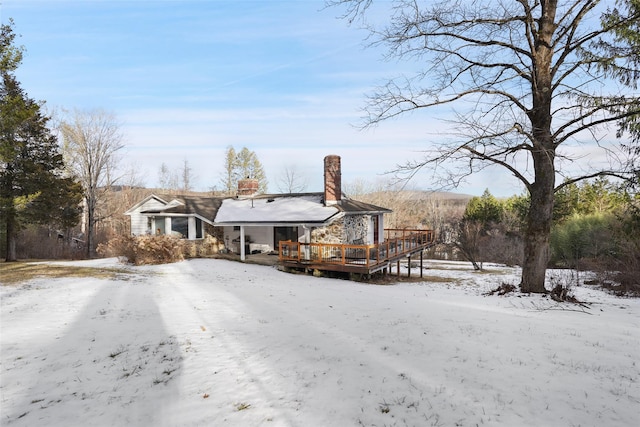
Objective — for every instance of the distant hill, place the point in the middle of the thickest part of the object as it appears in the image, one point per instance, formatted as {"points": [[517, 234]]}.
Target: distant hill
{"points": [[439, 195], [417, 196]]}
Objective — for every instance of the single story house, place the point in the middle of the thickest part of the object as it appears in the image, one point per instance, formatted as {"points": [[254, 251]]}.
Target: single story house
{"points": [[261, 221]]}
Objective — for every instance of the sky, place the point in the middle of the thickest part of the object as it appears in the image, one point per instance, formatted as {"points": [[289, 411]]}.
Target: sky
{"points": [[187, 79]]}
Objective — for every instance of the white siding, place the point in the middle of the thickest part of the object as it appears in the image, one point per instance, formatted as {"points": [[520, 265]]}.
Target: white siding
{"points": [[260, 235], [139, 221]]}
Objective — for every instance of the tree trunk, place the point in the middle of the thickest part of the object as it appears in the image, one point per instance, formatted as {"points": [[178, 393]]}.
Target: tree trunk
{"points": [[91, 212], [539, 221], [536, 239], [11, 239], [540, 215], [10, 220]]}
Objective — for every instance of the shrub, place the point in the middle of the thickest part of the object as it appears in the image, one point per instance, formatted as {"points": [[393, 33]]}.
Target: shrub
{"points": [[141, 250], [210, 245]]}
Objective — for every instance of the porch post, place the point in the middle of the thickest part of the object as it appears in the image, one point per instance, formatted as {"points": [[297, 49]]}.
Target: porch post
{"points": [[167, 225], [242, 254], [191, 233], [307, 240]]}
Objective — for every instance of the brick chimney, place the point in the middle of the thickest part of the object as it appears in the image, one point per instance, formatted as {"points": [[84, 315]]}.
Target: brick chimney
{"points": [[332, 180], [247, 187]]}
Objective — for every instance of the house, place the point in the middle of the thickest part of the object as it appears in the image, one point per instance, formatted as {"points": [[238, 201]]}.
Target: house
{"points": [[182, 216], [309, 225], [263, 220]]}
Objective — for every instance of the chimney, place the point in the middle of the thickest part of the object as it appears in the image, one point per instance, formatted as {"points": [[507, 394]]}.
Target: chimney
{"points": [[332, 180], [247, 187]]}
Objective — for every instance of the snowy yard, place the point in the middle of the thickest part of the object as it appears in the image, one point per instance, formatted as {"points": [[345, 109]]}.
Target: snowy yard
{"points": [[214, 342]]}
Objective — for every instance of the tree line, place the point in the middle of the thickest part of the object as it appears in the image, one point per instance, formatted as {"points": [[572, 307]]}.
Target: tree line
{"points": [[595, 226]]}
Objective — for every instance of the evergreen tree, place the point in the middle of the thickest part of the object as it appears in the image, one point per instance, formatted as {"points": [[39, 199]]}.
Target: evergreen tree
{"points": [[485, 209], [33, 187], [567, 202], [240, 165], [250, 167]]}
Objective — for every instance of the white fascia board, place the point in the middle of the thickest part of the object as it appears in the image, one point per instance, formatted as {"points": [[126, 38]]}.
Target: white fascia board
{"points": [[327, 221]]}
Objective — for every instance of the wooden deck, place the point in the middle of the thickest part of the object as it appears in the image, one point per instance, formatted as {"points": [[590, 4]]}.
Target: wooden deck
{"points": [[361, 259]]}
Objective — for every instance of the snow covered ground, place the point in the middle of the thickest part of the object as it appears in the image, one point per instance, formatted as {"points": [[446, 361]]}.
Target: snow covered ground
{"points": [[214, 342]]}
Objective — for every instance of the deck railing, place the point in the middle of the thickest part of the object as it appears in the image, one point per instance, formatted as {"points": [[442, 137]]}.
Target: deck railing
{"points": [[397, 242]]}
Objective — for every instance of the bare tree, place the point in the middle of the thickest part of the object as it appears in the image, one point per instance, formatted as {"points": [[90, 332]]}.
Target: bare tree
{"points": [[91, 144], [230, 176], [167, 179], [186, 173], [132, 176], [291, 180], [527, 82], [468, 242], [359, 188]]}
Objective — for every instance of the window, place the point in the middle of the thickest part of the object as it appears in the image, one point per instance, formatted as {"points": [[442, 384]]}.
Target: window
{"points": [[159, 223], [199, 233], [180, 225]]}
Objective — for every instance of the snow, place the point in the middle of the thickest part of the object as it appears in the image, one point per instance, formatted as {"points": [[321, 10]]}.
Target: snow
{"points": [[215, 342], [299, 209]]}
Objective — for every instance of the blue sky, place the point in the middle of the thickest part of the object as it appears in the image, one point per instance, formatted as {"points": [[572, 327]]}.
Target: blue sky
{"points": [[286, 79]]}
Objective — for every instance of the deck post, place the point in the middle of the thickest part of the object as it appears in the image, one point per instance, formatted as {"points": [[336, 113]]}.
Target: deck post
{"points": [[409, 266], [398, 268], [421, 256]]}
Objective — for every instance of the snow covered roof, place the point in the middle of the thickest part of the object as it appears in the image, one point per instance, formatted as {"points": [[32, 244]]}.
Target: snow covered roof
{"points": [[293, 209], [300, 208]]}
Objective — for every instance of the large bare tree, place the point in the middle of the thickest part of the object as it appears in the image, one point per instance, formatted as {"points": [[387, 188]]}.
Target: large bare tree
{"points": [[531, 88], [92, 141]]}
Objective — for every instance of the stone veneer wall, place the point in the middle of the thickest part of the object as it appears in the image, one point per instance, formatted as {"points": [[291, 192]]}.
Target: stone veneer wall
{"points": [[345, 230]]}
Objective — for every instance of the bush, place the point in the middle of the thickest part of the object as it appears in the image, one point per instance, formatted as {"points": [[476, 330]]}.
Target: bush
{"points": [[141, 250], [210, 245]]}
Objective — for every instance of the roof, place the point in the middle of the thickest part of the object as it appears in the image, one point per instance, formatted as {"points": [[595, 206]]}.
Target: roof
{"points": [[205, 207], [273, 209], [354, 206], [296, 208]]}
